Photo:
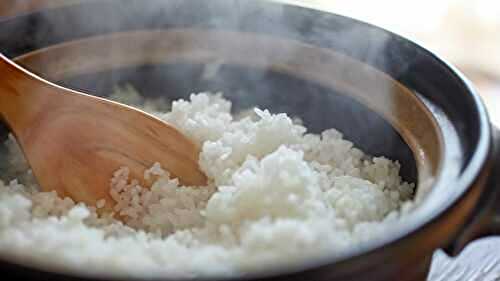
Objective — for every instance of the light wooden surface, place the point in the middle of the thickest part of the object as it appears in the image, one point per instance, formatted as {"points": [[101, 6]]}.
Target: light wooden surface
{"points": [[75, 142]]}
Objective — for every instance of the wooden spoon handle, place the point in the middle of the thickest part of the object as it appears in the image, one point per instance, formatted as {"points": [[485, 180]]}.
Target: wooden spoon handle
{"points": [[23, 96]]}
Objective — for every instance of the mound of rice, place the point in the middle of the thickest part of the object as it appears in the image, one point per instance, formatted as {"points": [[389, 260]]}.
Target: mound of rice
{"points": [[277, 196]]}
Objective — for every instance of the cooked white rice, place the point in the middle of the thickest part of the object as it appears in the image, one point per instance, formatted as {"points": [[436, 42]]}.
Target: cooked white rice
{"points": [[277, 196]]}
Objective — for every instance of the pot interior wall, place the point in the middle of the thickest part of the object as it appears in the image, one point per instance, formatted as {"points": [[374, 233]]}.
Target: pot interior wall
{"points": [[318, 107]]}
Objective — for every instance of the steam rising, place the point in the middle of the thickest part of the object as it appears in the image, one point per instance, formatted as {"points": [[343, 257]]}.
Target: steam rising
{"points": [[318, 108]]}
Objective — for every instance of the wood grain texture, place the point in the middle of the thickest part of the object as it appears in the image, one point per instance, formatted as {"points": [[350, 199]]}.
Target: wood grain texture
{"points": [[75, 142]]}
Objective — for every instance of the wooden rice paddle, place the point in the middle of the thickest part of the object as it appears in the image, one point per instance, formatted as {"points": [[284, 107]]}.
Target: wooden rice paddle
{"points": [[75, 142]]}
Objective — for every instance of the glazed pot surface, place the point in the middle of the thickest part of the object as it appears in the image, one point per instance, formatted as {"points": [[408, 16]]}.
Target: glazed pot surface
{"points": [[461, 142]]}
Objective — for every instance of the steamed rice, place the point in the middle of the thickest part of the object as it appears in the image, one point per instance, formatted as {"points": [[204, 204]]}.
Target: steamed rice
{"points": [[276, 196]]}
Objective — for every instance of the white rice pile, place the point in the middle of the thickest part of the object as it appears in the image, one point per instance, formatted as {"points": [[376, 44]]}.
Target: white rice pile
{"points": [[277, 196]]}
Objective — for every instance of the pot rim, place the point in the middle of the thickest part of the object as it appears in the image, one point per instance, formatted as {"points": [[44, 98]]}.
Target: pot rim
{"points": [[465, 179], [480, 159]]}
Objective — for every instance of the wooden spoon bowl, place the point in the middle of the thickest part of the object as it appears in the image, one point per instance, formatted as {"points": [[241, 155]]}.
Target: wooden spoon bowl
{"points": [[75, 142]]}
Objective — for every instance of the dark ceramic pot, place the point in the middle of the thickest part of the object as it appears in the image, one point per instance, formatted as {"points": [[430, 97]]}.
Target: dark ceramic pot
{"points": [[387, 94]]}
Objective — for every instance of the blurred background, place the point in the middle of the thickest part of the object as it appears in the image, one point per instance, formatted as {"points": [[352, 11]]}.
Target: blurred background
{"points": [[464, 32]]}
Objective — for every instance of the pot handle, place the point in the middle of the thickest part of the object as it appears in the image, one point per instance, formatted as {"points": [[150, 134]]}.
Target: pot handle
{"points": [[486, 219]]}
